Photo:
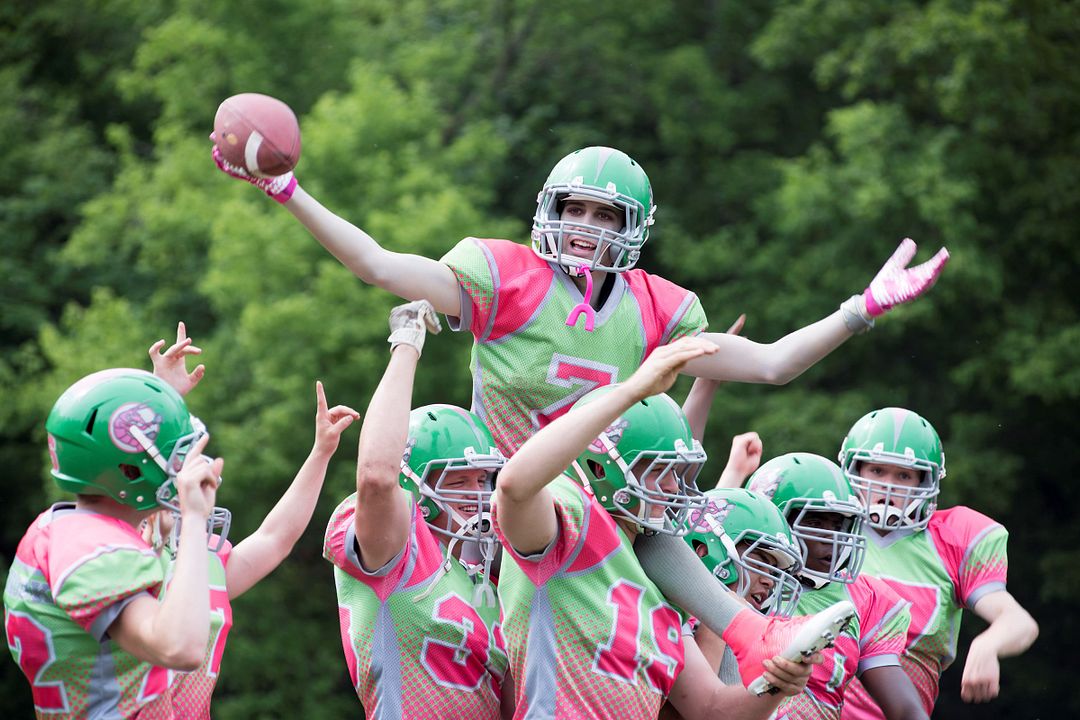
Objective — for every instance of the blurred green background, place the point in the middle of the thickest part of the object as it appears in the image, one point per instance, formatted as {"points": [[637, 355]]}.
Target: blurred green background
{"points": [[791, 144]]}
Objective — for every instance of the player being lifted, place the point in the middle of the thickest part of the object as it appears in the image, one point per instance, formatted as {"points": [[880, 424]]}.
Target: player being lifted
{"points": [[235, 570], [523, 306], [81, 608], [589, 634], [942, 561], [413, 548]]}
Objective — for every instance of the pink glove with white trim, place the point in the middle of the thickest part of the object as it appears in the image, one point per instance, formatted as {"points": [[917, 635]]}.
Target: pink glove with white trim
{"points": [[280, 188], [894, 284]]}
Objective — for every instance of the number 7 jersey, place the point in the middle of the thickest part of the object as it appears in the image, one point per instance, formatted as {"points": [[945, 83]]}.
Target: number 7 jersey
{"points": [[528, 366]]}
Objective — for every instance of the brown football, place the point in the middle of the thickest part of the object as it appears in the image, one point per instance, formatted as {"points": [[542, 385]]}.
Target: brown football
{"points": [[258, 133]]}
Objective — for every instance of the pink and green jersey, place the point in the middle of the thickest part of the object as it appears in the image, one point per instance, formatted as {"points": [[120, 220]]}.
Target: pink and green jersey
{"points": [[590, 636], [192, 691], [959, 558], [74, 572], [415, 645], [875, 638], [528, 367]]}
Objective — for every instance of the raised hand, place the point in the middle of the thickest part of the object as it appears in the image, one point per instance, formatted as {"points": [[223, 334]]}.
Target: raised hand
{"points": [[660, 369], [280, 188], [198, 481], [410, 323], [896, 283], [171, 365], [330, 423]]}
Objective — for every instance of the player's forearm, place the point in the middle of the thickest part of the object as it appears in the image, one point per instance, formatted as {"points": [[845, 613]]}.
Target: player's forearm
{"points": [[742, 360], [1011, 633], [411, 277], [697, 405], [180, 630], [386, 425], [547, 453]]}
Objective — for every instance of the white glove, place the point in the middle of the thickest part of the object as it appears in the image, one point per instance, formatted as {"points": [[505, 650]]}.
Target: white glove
{"points": [[410, 323]]}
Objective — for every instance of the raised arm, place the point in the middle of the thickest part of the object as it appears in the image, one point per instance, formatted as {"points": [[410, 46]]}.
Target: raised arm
{"points": [[174, 633], [1012, 631], [526, 509], [383, 509], [742, 360], [262, 551], [411, 277]]}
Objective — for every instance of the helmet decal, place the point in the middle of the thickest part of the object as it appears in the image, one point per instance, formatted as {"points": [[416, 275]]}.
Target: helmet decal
{"points": [[611, 436], [407, 453], [52, 454], [719, 512], [767, 483], [129, 415]]}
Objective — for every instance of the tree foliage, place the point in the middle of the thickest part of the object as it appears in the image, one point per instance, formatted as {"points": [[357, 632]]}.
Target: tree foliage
{"points": [[791, 144]]}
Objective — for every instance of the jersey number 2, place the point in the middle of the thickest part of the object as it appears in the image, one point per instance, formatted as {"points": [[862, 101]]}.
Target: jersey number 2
{"points": [[32, 645]]}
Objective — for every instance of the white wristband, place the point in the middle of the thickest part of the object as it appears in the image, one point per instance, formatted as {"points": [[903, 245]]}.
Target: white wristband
{"points": [[855, 316]]}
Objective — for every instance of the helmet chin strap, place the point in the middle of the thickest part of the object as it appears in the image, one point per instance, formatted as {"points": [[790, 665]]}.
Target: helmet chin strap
{"points": [[585, 306], [477, 557]]}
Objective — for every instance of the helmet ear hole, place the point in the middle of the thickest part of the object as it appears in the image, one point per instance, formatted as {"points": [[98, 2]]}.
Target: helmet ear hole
{"points": [[90, 422], [131, 472], [596, 469]]}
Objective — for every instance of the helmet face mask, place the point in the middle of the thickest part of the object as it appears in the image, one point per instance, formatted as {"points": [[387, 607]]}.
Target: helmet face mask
{"points": [[736, 530], [445, 441], [122, 433], [643, 468], [901, 438], [805, 486], [601, 175]]}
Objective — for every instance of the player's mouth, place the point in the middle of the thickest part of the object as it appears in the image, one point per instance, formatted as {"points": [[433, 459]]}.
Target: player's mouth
{"points": [[758, 600], [468, 509], [582, 246]]}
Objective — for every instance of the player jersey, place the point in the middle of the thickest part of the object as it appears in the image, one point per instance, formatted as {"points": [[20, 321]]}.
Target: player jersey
{"points": [[74, 572], [415, 645], [192, 691], [528, 367], [874, 638], [589, 635], [959, 558]]}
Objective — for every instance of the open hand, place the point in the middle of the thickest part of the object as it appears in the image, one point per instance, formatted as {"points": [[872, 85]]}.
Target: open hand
{"points": [[171, 365], [660, 369], [330, 423], [896, 283]]}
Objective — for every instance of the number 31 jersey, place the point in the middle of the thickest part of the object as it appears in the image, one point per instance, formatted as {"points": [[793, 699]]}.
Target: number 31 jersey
{"points": [[528, 366], [415, 645]]}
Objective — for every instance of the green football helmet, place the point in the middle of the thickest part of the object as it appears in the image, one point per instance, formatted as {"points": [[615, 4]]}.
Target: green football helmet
{"points": [[599, 174], [122, 433], [444, 439], [802, 485], [650, 441], [735, 515], [895, 436]]}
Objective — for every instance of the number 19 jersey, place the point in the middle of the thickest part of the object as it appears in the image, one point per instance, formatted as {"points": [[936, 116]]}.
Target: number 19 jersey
{"points": [[590, 636], [528, 366], [415, 645]]}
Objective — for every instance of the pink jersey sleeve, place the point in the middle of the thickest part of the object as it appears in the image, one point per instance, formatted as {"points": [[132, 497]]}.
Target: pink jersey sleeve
{"points": [[585, 535], [884, 618], [973, 548], [417, 560], [99, 564], [668, 311]]}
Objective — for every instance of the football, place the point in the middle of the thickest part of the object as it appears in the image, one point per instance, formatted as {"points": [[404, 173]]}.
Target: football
{"points": [[258, 133]]}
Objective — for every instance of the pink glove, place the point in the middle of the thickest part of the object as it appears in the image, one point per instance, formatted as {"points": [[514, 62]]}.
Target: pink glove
{"points": [[896, 283], [280, 188]]}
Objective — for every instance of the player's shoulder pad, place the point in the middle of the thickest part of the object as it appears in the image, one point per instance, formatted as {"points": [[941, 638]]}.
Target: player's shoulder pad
{"points": [[961, 525]]}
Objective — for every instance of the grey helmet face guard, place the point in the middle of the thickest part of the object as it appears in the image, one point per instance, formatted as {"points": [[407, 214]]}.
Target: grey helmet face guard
{"points": [[896, 506]]}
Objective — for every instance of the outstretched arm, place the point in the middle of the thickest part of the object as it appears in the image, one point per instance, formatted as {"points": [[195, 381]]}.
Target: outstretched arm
{"points": [[383, 509], [412, 277], [1012, 631], [742, 360], [526, 509], [258, 554]]}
